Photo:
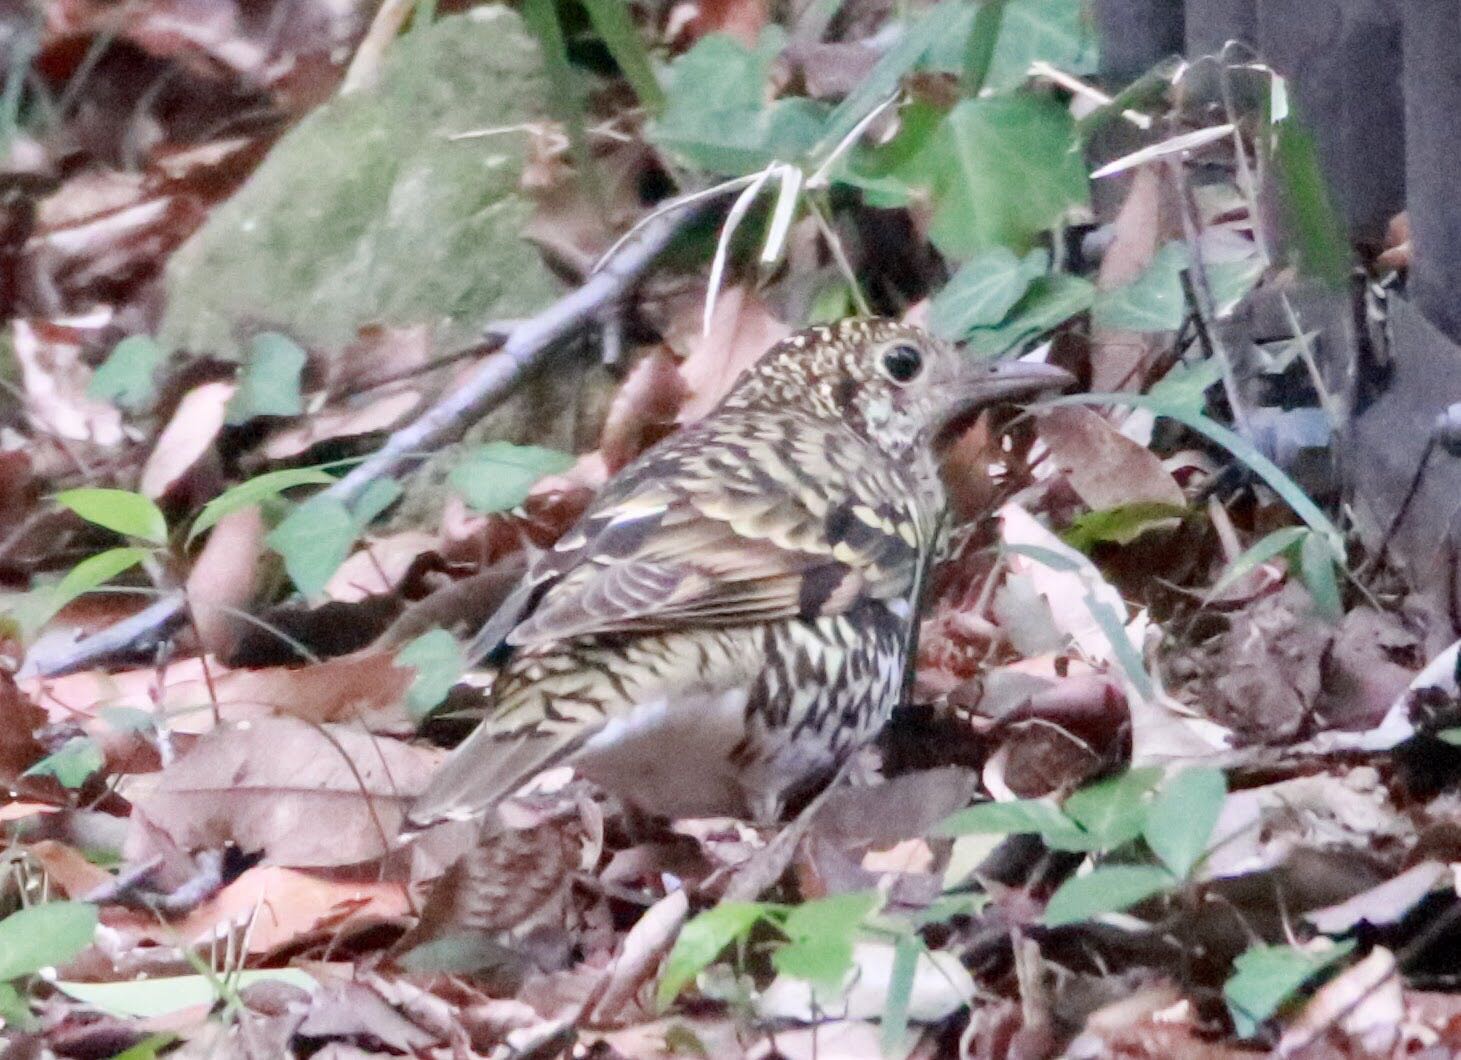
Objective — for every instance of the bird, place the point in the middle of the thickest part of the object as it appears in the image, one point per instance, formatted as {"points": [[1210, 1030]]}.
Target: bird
{"points": [[736, 612]]}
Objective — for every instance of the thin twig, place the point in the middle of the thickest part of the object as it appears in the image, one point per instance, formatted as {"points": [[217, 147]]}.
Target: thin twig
{"points": [[525, 349]]}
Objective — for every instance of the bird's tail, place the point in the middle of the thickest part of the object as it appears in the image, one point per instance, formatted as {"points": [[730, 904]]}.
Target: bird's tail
{"points": [[485, 769]]}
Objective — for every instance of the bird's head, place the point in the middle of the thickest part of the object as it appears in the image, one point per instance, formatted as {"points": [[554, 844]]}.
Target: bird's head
{"points": [[895, 384]]}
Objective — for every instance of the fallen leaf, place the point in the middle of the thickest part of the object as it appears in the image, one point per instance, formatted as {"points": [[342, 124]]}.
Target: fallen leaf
{"points": [[305, 796], [366, 686], [646, 944], [1148, 220], [330, 424], [222, 580], [741, 330], [55, 379], [1105, 468], [1364, 1002], [186, 438], [644, 409], [379, 565]]}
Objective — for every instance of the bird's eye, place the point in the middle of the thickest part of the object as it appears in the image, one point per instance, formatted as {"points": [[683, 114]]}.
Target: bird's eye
{"points": [[903, 363]]}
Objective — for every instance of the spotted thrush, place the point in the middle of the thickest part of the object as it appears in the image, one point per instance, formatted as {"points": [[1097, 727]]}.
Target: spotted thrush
{"points": [[734, 615]]}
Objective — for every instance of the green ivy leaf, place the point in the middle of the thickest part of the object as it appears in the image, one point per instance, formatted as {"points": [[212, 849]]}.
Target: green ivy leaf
{"points": [[716, 117], [314, 540], [14, 1010], [1153, 301], [1055, 31], [438, 661], [44, 936], [1264, 977], [916, 42], [78, 758], [127, 375], [1185, 387], [1004, 169], [120, 511], [1181, 818], [255, 491], [984, 290], [377, 496], [1108, 889], [499, 475], [1113, 811], [1050, 302], [269, 382], [701, 941], [1316, 229]]}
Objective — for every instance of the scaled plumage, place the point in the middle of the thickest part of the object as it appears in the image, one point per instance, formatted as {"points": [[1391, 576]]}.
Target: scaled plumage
{"points": [[733, 615]]}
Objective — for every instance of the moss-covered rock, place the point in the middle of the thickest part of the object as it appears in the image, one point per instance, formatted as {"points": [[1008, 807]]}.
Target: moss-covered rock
{"points": [[368, 212]]}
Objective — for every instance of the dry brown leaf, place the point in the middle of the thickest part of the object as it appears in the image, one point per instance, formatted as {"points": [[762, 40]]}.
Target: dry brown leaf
{"points": [[646, 944], [352, 1010], [186, 438], [504, 880], [67, 868], [379, 565], [307, 796], [223, 577], [367, 686], [644, 409], [742, 19], [284, 906], [1104, 467], [55, 380], [741, 330], [329, 424], [19, 747], [1147, 220]]}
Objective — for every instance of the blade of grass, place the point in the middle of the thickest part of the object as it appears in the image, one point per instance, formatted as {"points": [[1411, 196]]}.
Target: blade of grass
{"points": [[564, 99], [613, 23]]}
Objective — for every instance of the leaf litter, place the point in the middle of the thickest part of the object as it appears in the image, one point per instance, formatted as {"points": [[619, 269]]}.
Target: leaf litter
{"points": [[1176, 776]]}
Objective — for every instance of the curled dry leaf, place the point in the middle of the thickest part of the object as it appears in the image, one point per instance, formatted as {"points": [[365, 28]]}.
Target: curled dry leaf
{"points": [[379, 565], [647, 943], [55, 379], [377, 415], [221, 582], [1364, 1003], [306, 796], [1105, 468], [741, 330], [368, 686], [1148, 219], [273, 907], [644, 409], [186, 438]]}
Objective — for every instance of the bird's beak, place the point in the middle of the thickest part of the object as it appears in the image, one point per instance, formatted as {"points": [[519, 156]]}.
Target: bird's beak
{"points": [[989, 383]]}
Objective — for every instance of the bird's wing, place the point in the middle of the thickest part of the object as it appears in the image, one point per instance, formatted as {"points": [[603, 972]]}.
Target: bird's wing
{"points": [[663, 548]]}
